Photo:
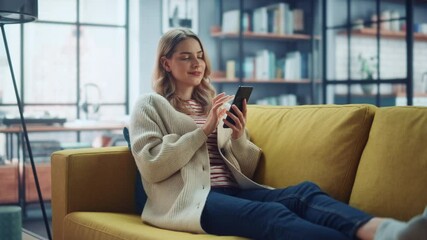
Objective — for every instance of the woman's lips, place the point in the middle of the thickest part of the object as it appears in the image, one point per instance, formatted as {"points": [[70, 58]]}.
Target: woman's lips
{"points": [[196, 73]]}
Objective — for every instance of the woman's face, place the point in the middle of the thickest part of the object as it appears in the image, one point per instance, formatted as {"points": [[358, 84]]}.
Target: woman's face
{"points": [[187, 64]]}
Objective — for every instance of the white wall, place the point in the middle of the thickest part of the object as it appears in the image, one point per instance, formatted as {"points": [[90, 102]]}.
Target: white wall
{"points": [[150, 31]]}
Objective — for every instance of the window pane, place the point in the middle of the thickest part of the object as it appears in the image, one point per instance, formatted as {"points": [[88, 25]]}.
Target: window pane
{"points": [[50, 63], [392, 57], [57, 10], [103, 62], [113, 113], [99, 11], [338, 50], [7, 94], [339, 8], [420, 69], [364, 56], [389, 94], [363, 13], [392, 10]]}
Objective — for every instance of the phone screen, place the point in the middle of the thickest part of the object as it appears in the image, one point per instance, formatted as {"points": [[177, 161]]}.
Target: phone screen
{"points": [[243, 92]]}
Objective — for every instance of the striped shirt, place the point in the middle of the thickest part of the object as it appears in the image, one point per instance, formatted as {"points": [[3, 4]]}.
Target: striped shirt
{"points": [[220, 174]]}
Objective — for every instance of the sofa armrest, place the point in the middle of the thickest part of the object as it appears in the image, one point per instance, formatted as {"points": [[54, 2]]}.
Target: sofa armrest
{"points": [[93, 179]]}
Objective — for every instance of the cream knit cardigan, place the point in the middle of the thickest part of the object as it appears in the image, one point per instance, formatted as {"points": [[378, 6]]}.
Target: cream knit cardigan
{"points": [[171, 154]]}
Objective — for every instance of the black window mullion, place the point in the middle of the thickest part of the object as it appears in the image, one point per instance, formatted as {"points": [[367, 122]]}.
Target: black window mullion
{"points": [[324, 50], [410, 51], [349, 27], [127, 39], [312, 49], [78, 135], [241, 42], [378, 12]]}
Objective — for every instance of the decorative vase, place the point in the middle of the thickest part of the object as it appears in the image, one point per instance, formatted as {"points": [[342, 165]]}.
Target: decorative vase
{"points": [[367, 89]]}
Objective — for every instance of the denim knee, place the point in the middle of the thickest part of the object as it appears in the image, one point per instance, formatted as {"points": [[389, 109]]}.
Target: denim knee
{"points": [[310, 186], [307, 189]]}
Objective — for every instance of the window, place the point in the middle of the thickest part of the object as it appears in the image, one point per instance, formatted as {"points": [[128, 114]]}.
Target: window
{"points": [[370, 53], [74, 43]]}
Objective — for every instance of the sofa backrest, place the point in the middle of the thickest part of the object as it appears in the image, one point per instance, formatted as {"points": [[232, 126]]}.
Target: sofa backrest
{"points": [[319, 143], [392, 177]]}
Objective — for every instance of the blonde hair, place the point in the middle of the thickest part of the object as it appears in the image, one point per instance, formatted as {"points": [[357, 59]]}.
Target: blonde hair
{"points": [[163, 82]]}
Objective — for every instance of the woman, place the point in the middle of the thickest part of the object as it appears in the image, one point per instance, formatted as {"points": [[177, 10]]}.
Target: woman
{"points": [[197, 173]]}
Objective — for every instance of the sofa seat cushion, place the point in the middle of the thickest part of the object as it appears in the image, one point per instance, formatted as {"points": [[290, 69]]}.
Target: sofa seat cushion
{"points": [[392, 177], [119, 226], [319, 143]]}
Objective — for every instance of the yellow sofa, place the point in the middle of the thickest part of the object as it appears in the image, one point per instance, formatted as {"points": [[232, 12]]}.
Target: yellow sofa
{"points": [[372, 158]]}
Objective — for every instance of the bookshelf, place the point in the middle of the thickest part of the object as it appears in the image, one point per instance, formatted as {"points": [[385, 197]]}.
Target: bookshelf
{"points": [[372, 32], [262, 36], [273, 48]]}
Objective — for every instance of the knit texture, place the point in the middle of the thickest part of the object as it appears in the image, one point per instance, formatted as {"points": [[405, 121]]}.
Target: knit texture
{"points": [[171, 154]]}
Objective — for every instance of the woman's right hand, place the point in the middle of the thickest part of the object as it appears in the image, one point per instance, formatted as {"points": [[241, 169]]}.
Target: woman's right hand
{"points": [[216, 113]]}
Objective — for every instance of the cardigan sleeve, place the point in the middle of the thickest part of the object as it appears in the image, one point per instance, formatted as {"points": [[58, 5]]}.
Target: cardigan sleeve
{"points": [[241, 153], [246, 153], [160, 152]]}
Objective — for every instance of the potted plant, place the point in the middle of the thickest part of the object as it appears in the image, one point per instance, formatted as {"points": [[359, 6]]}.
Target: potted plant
{"points": [[367, 70]]}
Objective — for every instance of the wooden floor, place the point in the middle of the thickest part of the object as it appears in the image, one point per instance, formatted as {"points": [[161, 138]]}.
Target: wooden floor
{"points": [[27, 235]]}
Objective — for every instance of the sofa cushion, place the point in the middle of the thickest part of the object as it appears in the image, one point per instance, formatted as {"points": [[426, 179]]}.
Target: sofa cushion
{"points": [[118, 226], [392, 176], [320, 143]]}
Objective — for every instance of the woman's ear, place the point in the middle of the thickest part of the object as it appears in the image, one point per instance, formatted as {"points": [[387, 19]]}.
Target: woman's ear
{"points": [[165, 64]]}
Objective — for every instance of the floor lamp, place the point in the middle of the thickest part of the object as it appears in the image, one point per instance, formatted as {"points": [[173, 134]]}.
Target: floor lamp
{"points": [[18, 12]]}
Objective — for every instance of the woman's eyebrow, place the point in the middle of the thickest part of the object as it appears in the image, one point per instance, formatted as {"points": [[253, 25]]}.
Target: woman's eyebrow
{"points": [[190, 52]]}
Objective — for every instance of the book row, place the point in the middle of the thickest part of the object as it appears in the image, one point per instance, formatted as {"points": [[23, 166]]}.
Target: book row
{"points": [[276, 18], [265, 65]]}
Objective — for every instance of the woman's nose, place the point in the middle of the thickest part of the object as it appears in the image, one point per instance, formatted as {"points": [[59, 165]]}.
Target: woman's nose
{"points": [[196, 62]]}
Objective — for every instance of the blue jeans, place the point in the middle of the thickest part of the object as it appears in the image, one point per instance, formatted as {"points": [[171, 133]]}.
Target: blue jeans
{"points": [[297, 212]]}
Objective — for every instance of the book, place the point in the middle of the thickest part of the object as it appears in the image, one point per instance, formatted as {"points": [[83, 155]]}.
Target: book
{"points": [[230, 21], [280, 68], [247, 23], [298, 15], [279, 12], [293, 66], [262, 64], [289, 22], [287, 100], [249, 67], [271, 65], [260, 20], [265, 65], [230, 72]]}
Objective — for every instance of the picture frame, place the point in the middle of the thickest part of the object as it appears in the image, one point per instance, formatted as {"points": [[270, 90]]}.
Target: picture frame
{"points": [[180, 13]]}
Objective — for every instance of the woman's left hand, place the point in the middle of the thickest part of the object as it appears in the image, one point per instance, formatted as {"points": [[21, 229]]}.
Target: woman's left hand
{"points": [[240, 121]]}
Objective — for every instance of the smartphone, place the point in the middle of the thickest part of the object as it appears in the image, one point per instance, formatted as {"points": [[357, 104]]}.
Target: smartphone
{"points": [[243, 92]]}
